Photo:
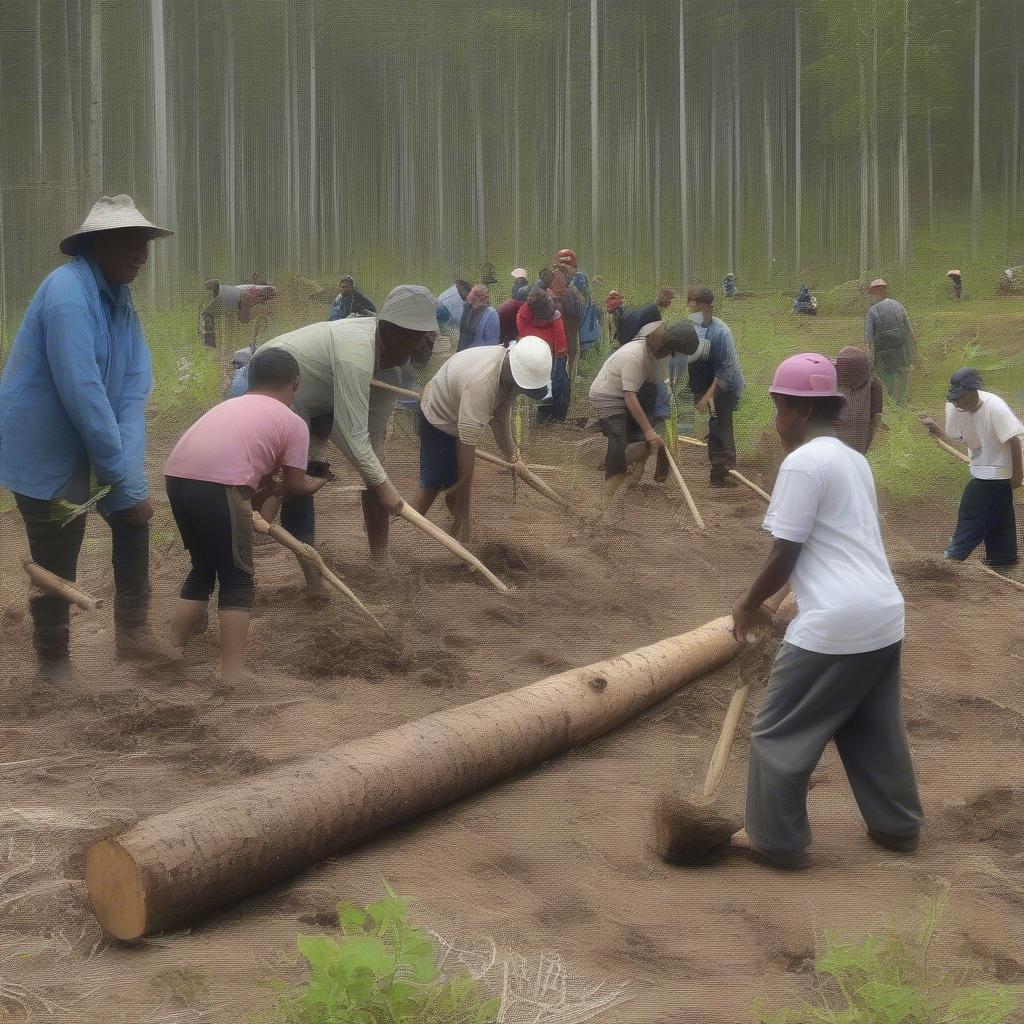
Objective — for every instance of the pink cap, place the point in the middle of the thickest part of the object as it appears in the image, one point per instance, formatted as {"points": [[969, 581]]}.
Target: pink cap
{"points": [[878, 283], [808, 375]]}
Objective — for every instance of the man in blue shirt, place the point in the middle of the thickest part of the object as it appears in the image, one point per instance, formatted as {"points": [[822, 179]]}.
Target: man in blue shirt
{"points": [[716, 381], [73, 407], [350, 301]]}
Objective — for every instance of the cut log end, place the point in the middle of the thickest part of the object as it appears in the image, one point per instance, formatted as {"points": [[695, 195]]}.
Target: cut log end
{"points": [[691, 831], [115, 890]]}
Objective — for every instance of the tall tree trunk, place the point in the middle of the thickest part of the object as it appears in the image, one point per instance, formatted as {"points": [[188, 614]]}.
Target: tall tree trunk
{"points": [[72, 167], [441, 235], [876, 213], [862, 262], [903, 155], [769, 187], [930, 169], [161, 175], [198, 183], [730, 190], [40, 135], [314, 197], [595, 177], [736, 126], [976, 135], [95, 98], [567, 200], [230, 154], [517, 181], [657, 203], [684, 190], [797, 144], [713, 162], [1015, 116], [481, 227]]}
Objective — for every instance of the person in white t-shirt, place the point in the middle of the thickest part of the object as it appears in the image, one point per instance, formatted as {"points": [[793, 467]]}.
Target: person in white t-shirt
{"points": [[993, 435], [837, 674]]}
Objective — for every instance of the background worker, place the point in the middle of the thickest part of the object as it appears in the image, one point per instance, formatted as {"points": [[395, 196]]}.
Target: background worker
{"points": [[540, 318], [350, 301], [891, 342], [716, 381], [473, 390], [480, 323], [861, 417], [993, 435], [73, 401], [632, 320], [837, 675], [336, 362], [624, 394]]}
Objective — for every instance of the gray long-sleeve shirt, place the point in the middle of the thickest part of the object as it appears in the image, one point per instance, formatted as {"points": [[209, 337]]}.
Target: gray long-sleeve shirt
{"points": [[887, 330]]}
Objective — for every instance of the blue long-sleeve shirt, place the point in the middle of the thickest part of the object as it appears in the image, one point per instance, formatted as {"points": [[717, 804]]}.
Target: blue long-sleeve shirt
{"points": [[73, 394], [721, 360], [488, 331]]}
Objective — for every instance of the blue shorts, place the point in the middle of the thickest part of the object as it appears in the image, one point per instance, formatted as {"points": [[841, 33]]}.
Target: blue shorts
{"points": [[439, 460]]}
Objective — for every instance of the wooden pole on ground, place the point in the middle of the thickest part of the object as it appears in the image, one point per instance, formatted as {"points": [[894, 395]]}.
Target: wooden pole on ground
{"points": [[59, 587], [686, 439], [686, 491], [410, 515], [527, 476], [310, 554], [176, 867]]}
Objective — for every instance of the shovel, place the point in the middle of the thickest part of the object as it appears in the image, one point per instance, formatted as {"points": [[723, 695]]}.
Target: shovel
{"points": [[693, 830]]}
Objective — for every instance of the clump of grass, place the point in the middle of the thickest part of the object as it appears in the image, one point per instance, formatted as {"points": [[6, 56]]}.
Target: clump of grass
{"points": [[887, 979], [186, 985], [382, 969]]}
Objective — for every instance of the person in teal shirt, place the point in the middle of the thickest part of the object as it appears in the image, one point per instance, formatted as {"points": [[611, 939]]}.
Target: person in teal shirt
{"points": [[73, 415]]}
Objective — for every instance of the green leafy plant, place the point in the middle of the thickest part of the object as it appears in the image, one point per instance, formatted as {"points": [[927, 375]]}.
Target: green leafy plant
{"points": [[886, 979], [382, 970]]}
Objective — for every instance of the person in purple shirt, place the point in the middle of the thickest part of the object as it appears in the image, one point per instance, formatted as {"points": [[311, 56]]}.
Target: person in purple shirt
{"points": [[73, 410]]}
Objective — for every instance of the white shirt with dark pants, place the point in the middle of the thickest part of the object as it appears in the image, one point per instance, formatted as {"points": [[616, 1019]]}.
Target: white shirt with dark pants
{"points": [[837, 675]]}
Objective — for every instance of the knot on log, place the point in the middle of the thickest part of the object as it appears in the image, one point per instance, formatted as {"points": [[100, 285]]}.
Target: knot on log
{"points": [[598, 684]]}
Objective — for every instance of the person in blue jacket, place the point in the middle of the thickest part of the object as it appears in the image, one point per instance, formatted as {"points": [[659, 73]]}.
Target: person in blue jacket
{"points": [[73, 416]]}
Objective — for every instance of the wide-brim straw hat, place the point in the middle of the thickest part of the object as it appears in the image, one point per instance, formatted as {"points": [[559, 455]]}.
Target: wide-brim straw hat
{"points": [[110, 213]]}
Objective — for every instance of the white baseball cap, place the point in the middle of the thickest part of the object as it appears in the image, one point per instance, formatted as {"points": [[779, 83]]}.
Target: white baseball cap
{"points": [[530, 361], [410, 306], [519, 272]]}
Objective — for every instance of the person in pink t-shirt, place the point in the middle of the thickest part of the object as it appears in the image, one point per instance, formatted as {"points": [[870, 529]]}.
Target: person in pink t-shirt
{"points": [[224, 464]]}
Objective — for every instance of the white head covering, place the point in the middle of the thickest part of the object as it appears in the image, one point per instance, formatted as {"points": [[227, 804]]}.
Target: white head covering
{"points": [[110, 213], [410, 306]]}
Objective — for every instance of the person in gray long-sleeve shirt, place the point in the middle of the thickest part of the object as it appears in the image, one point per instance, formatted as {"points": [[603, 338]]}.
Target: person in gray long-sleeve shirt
{"points": [[337, 360], [890, 339]]}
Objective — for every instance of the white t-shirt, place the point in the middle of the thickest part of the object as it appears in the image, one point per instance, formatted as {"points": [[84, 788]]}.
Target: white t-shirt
{"points": [[824, 499], [985, 432], [627, 369]]}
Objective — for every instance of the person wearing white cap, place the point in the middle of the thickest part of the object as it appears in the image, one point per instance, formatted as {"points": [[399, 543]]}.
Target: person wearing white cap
{"points": [[73, 407], [474, 389], [890, 339], [337, 359]]}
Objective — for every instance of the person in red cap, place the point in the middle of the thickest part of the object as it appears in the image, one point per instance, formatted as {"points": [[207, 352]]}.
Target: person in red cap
{"points": [[837, 675]]}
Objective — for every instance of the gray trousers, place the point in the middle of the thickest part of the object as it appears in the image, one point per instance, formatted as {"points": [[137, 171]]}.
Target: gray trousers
{"points": [[811, 698]]}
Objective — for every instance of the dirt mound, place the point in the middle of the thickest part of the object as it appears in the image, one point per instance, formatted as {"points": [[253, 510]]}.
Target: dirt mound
{"points": [[326, 648], [995, 816], [508, 559], [925, 570]]}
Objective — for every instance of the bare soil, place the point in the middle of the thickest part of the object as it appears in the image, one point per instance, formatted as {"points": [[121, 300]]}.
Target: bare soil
{"points": [[561, 858]]}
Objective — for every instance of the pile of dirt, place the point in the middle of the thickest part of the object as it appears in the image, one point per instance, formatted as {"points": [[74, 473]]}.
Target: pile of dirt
{"points": [[326, 648], [995, 817]]}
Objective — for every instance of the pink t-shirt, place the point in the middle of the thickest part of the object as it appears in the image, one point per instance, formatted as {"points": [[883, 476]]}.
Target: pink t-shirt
{"points": [[240, 441]]}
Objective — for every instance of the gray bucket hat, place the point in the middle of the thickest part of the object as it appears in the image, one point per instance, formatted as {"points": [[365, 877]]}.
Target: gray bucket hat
{"points": [[110, 213], [411, 306]]}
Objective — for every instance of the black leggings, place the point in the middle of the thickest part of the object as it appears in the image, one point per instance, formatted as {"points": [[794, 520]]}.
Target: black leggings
{"points": [[215, 523]]}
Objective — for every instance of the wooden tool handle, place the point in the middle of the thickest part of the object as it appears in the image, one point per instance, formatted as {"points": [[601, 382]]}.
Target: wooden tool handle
{"points": [[697, 518], [527, 476], [686, 439], [952, 451], [750, 483], [410, 515], [385, 386], [59, 587], [310, 554], [720, 758]]}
